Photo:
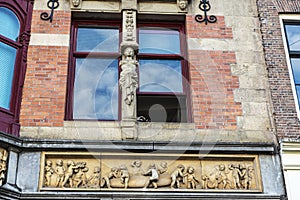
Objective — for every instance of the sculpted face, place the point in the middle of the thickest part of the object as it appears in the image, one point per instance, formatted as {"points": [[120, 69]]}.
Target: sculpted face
{"points": [[182, 4], [76, 3]]}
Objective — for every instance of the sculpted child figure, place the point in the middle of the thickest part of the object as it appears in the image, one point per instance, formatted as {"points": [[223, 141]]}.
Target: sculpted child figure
{"points": [[114, 173], [48, 173], [60, 172], [177, 176], [191, 178], [153, 176]]}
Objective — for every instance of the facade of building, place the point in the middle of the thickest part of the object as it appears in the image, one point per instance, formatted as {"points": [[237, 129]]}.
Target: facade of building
{"points": [[137, 99], [280, 31]]}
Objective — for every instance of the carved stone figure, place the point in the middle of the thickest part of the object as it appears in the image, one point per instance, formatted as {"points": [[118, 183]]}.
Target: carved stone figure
{"points": [[124, 175], [114, 173], [221, 177], [191, 179], [235, 175], [49, 171], [128, 83], [69, 173], [79, 177], [177, 176], [249, 177], [76, 3], [182, 4], [153, 176], [163, 167], [3, 168], [94, 181], [137, 170], [60, 172]]}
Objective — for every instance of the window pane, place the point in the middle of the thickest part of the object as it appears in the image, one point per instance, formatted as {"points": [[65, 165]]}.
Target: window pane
{"points": [[96, 89], [7, 63], [296, 69], [9, 24], [159, 41], [293, 37], [98, 39], [298, 93], [160, 76]]}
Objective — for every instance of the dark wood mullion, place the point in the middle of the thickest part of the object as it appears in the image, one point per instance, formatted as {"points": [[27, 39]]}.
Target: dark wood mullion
{"points": [[10, 42], [96, 55]]}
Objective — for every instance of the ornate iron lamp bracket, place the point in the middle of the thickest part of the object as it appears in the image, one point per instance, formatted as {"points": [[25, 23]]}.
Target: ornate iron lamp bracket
{"points": [[52, 4], [205, 6]]}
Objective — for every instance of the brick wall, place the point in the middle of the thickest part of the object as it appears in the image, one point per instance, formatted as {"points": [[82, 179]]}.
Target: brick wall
{"points": [[212, 84], [43, 101], [285, 116]]}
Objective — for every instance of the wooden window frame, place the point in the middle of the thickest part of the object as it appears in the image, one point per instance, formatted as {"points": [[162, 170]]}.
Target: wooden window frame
{"points": [[10, 119], [73, 55], [72, 63]]}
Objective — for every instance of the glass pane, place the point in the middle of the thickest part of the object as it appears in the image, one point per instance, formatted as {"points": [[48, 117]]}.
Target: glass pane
{"points": [[98, 39], [160, 76], [298, 94], [296, 69], [293, 37], [9, 24], [96, 89], [159, 41], [7, 64]]}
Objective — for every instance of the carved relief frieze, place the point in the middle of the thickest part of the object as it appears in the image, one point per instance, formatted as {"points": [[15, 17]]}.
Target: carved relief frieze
{"points": [[125, 171], [3, 165]]}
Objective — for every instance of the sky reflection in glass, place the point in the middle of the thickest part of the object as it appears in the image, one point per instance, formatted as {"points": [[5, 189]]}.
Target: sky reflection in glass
{"points": [[96, 89], [296, 69], [7, 65], [97, 39], [9, 24], [160, 76], [159, 41], [293, 37]]}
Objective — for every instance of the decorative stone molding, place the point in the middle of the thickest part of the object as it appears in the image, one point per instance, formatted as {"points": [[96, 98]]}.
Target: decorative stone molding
{"points": [[3, 165], [161, 172]]}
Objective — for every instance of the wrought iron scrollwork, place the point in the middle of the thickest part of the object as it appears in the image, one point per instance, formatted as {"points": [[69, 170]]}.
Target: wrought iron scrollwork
{"points": [[205, 7], [52, 4]]}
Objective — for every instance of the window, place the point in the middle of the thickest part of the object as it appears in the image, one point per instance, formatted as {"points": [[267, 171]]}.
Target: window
{"points": [[9, 31], [95, 71], [14, 39], [93, 91], [162, 88], [292, 31]]}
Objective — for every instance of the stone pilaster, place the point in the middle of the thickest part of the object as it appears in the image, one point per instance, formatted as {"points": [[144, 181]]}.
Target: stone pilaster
{"points": [[129, 77]]}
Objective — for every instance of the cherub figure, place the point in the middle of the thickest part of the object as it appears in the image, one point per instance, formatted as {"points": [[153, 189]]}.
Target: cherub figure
{"points": [[137, 170], [124, 175], [235, 175], [221, 176], [69, 173], [191, 178], [177, 176], [153, 176], [79, 178], [163, 167], [49, 171], [114, 173], [60, 172], [249, 177], [95, 179]]}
